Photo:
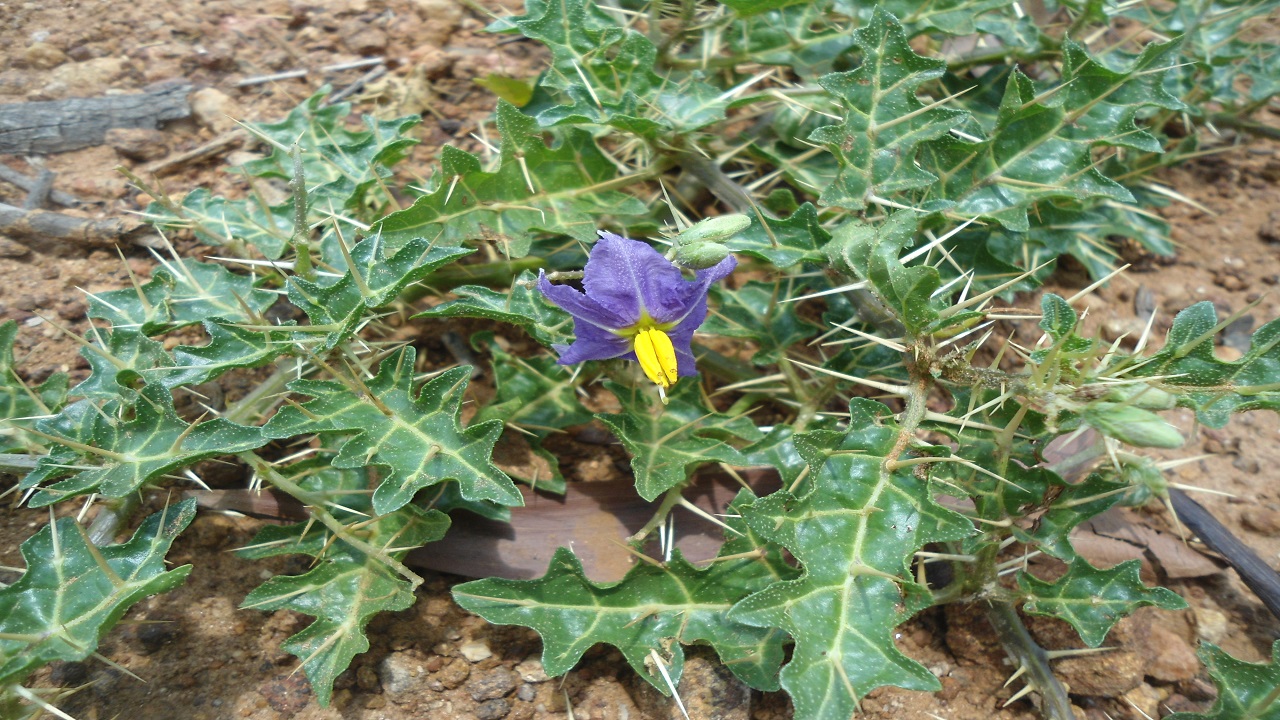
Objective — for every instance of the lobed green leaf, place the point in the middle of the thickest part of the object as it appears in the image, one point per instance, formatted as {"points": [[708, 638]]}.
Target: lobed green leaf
{"points": [[1094, 600], [71, 593], [417, 436], [854, 534]]}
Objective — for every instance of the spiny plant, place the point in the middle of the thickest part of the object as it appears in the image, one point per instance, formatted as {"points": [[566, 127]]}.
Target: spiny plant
{"points": [[891, 170]]}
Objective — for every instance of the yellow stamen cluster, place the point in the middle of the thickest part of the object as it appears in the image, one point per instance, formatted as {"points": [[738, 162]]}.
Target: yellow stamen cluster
{"points": [[657, 357]]}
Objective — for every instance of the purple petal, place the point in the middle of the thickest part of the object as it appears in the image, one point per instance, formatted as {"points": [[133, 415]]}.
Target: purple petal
{"points": [[581, 307], [628, 277], [717, 272], [592, 343], [682, 337]]}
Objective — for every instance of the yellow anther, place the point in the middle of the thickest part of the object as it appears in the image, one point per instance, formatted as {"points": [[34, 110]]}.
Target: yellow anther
{"points": [[657, 356]]}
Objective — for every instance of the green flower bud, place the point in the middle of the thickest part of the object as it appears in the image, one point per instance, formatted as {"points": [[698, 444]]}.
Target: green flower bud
{"points": [[1146, 479], [700, 256], [713, 230], [1144, 396], [1132, 425]]}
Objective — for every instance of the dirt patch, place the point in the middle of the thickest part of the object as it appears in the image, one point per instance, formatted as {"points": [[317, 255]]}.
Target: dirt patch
{"points": [[202, 657]]}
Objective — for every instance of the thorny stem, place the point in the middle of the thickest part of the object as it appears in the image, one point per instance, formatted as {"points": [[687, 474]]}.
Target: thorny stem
{"points": [[1001, 57], [718, 183], [1239, 123], [315, 505], [671, 499], [301, 239], [255, 403], [1027, 654], [499, 273]]}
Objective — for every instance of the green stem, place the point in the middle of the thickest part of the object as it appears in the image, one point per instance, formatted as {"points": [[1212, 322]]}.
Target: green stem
{"points": [[315, 503], [721, 185], [499, 273], [669, 501], [1255, 128], [113, 513], [1006, 56], [255, 403]]}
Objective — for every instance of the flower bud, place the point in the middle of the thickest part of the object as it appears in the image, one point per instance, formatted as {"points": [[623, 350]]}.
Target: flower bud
{"points": [[1144, 396], [700, 255], [713, 230], [1132, 425]]}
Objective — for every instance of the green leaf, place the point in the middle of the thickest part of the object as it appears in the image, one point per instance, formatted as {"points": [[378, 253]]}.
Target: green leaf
{"points": [[1075, 504], [18, 400], [604, 74], [1058, 318], [1094, 600], [345, 171], [1041, 143], [116, 449], [754, 312], [885, 123], [778, 450], [871, 253], [344, 168], [536, 394], [755, 7], [523, 305], [229, 347], [535, 189], [653, 609], [667, 442], [808, 37], [1246, 691], [348, 585], [783, 243], [514, 90], [215, 220], [854, 534], [1215, 388], [378, 276], [417, 436], [183, 292], [71, 594], [118, 362]]}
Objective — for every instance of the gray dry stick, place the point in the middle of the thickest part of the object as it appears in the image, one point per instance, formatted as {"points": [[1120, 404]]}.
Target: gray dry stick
{"points": [[22, 224], [60, 125]]}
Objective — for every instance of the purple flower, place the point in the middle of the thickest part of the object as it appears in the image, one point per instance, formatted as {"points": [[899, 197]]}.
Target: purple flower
{"points": [[637, 306]]}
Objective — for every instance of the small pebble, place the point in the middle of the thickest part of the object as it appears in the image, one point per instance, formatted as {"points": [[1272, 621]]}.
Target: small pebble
{"points": [[12, 249], [493, 710], [475, 650], [531, 671], [454, 674], [1211, 625]]}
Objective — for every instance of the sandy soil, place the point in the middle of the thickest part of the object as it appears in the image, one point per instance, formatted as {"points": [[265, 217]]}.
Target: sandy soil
{"points": [[201, 657]]}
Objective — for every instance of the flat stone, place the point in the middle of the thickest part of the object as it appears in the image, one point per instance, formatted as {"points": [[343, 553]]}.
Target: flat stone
{"points": [[493, 709], [1261, 520], [1169, 657], [496, 683]]}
